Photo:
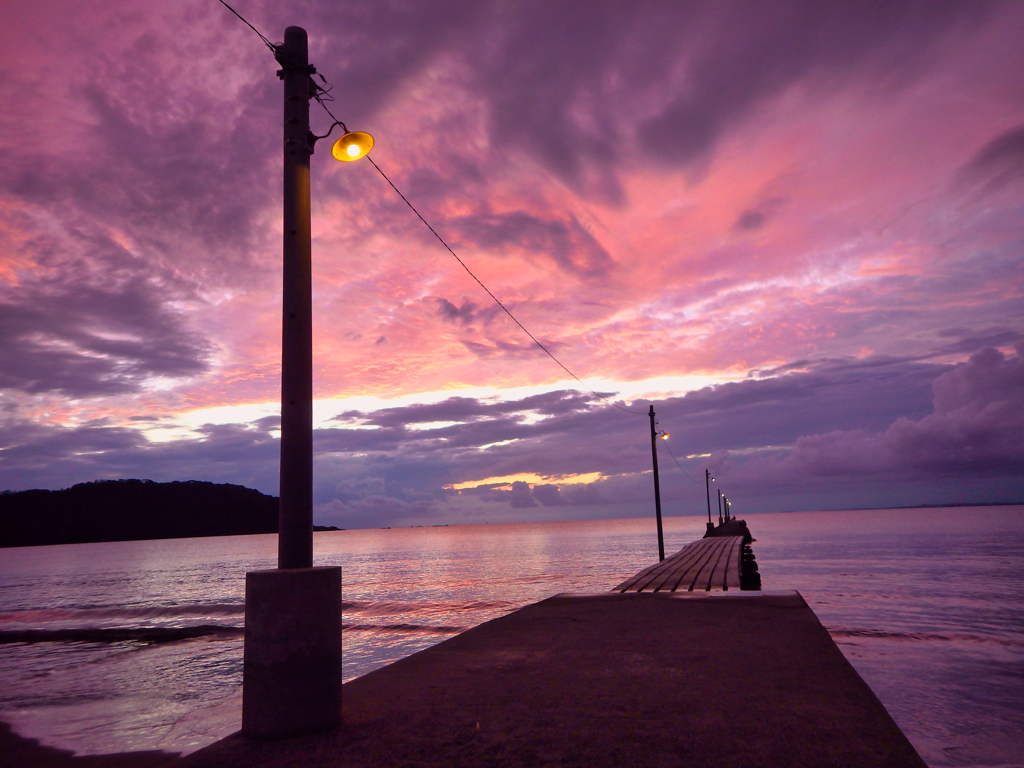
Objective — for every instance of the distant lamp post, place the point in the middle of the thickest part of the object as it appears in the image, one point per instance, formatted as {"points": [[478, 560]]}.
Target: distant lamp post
{"points": [[657, 487], [708, 479], [719, 505]]}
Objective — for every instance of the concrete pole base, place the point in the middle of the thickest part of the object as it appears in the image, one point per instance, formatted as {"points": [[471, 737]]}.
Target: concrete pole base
{"points": [[292, 665]]}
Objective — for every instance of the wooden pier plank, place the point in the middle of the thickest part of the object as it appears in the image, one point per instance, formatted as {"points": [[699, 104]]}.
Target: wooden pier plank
{"points": [[681, 568], [684, 560], [649, 577], [707, 564], [718, 578], [732, 577], [702, 579]]}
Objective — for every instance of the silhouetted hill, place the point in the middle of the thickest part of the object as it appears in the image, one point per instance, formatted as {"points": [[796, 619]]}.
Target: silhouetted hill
{"points": [[124, 510]]}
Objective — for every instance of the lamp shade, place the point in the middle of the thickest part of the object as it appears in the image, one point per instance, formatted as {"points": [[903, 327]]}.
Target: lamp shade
{"points": [[352, 146]]}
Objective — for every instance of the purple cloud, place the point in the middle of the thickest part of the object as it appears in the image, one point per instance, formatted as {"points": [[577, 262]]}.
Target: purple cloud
{"points": [[656, 189], [95, 326], [975, 434]]}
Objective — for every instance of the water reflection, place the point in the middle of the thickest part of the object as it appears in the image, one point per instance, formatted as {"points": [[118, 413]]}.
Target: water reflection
{"points": [[927, 605]]}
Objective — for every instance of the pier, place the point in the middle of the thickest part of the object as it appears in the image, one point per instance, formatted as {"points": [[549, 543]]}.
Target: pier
{"points": [[667, 669], [712, 563]]}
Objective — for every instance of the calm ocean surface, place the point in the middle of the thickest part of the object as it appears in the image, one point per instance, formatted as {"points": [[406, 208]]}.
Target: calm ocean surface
{"points": [[927, 604]]}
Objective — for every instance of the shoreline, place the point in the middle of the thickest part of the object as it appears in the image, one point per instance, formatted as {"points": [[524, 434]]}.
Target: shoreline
{"points": [[20, 752]]}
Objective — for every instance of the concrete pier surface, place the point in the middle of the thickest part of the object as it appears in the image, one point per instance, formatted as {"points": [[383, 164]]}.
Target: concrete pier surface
{"points": [[736, 679]]}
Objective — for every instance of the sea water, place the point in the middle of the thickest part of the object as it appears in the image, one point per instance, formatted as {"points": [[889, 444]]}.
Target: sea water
{"points": [[927, 604]]}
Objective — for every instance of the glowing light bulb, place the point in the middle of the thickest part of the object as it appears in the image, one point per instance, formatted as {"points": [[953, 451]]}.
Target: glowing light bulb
{"points": [[352, 146]]}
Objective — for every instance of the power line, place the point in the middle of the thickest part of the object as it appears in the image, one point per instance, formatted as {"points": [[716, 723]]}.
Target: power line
{"points": [[677, 461], [266, 42], [320, 95], [488, 290]]}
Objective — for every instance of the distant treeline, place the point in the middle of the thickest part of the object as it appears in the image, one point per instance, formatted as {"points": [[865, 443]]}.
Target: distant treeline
{"points": [[125, 510]]}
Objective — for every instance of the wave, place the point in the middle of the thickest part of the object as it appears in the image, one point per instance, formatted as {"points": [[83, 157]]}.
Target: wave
{"points": [[174, 634], [119, 613], [387, 608], [423, 629], [123, 612], [117, 634], [945, 637]]}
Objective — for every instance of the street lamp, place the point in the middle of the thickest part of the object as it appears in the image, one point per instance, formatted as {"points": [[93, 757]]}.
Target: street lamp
{"points": [[352, 146], [657, 487], [708, 479], [292, 659]]}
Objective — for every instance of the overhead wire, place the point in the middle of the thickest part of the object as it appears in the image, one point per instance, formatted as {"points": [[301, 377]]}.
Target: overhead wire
{"points": [[266, 42], [495, 298], [677, 462], [470, 272], [322, 94]]}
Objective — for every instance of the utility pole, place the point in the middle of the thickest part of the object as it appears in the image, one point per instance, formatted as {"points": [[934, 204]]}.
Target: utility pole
{"points": [[657, 487], [291, 676], [295, 521]]}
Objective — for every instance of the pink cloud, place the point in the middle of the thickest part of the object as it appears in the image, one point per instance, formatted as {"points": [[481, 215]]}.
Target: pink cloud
{"points": [[654, 191]]}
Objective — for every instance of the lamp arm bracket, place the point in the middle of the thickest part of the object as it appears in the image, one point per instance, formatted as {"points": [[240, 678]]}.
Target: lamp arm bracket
{"points": [[313, 137]]}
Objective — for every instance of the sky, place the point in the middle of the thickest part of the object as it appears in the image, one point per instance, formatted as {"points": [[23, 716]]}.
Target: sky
{"points": [[795, 228]]}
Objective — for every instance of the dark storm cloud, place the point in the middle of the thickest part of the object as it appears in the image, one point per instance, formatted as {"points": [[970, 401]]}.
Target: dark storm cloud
{"points": [[464, 314], [581, 436], [209, 176], [468, 409], [836, 425], [376, 45], [550, 495], [975, 432], [147, 193], [567, 243], [579, 88], [993, 337], [520, 497], [744, 53], [748, 221], [857, 428], [31, 447], [34, 456], [998, 163], [95, 327], [181, 179]]}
